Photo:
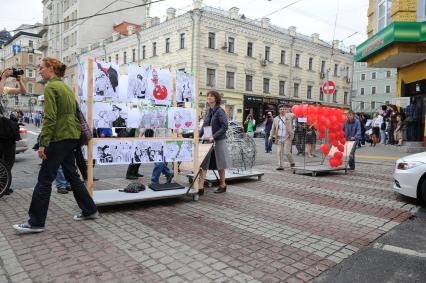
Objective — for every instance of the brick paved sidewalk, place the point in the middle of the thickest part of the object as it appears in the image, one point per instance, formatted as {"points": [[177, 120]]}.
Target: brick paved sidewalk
{"points": [[285, 228]]}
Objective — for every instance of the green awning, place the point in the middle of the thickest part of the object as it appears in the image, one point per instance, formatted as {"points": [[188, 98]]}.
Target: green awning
{"points": [[395, 32]]}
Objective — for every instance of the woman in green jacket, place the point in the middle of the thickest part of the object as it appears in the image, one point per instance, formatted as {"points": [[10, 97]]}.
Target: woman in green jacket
{"points": [[59, 137]]}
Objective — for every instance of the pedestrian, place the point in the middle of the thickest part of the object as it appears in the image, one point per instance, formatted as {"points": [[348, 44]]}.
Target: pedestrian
{"points": [[398, 131], [218, 157], [377, 122], [9, 137], [300, 136], [282, 131], [268, 127], [59, 138], [250, 123], [384, 114], [62, 185], [352, 129], [311, 139]]}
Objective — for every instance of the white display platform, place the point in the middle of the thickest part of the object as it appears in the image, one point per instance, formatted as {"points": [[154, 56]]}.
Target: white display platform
{"points": [[230, 175], [110, 197], [315, 169]]}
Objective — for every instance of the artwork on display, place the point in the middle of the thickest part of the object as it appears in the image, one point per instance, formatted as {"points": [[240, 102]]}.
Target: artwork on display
{"points": [[159, 84], [106, 80], [83, 107], [178, 151], [146, 151], [181, 118], [82, 79], [113, 152], [108, 115], [185, 87], [153, 117], [137, 83]]}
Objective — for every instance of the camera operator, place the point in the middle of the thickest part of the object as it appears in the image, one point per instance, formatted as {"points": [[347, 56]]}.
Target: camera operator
{"points": [[9, 133]]}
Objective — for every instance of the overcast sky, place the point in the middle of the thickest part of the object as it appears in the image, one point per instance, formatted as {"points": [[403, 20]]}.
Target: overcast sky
{"points": [[309, 16]]}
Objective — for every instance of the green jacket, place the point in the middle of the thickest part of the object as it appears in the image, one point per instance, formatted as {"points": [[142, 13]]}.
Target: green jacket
{"points": [[60, 120]]}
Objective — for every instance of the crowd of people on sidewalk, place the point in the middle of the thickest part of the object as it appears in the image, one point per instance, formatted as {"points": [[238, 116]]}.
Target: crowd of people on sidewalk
{"points": [[28, 117]]}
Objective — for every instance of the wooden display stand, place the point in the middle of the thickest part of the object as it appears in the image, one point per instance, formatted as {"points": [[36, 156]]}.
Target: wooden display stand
{"points": [[113, 196]]}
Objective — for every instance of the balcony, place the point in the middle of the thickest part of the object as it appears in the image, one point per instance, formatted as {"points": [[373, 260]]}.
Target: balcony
{"points": [[43, 45]]}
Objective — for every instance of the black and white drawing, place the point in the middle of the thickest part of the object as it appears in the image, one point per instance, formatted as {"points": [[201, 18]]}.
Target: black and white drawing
{"points": [[185, 87], [82, 79], [178, 151], [159, 85], [148, 151], [108, 115], [105, 78], [137, 83], [153, 117], [181, 118], [113, 152]]}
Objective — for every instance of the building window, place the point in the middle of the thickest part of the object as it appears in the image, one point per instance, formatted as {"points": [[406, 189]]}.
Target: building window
{"points": [[124, 57], [297, 60], [230, 76], [296, 90], [211, 40], [116, 59], [267, 53], [373, 105], [231, 42], [211, 77], [421, 10], [154, 49], [281, 88], [249, 83], [282, 60], [133, 55], [250, 49], [167, 45], [362, 77], [388, 89], [373, 75], [30, 88], [388, 74], [383, 14], [373, 90], [30, 59], [323, 66], [336, 70], [182, 41], [321, 96], [361, 105], [30, 73], [181, 70], [143, 52], [30, 43], [309, 92], [345, 97], [109, 59], [266, 82], [362, 92], [311, 63], [335, 96]]}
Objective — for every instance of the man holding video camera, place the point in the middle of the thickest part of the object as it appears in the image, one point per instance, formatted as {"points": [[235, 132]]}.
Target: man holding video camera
{"points": [[9, 132]]}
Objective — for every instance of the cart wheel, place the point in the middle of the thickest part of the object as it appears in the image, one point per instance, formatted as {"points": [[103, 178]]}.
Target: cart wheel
{"points": [[195, 197]]}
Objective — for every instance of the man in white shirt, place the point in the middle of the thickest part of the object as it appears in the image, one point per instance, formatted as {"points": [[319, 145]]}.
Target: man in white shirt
{"points": [[282, 131]]}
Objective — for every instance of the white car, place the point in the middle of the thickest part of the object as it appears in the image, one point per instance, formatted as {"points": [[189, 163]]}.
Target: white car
{"points": [[410, 176]]}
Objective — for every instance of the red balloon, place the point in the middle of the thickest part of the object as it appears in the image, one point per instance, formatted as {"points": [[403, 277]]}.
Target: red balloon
{"points": [[304, 110], [320, 127], [340, 162], [333, 162], [342, 140], [294, 109], [327, 123], [335, 143], [331, 135], [338, 155], [324, 148], [341, 148], [342, 118], [321, 135]]}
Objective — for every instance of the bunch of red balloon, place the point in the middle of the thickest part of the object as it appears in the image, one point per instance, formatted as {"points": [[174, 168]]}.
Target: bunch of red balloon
{"points": [[323, 119]]}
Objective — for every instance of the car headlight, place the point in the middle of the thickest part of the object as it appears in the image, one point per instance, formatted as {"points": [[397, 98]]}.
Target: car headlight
{"points": [[408, 165]]}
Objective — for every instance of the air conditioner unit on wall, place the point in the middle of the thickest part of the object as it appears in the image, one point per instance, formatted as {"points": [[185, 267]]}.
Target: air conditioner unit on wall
{"points": [[322, 75], [225, 45], [263, 62]]}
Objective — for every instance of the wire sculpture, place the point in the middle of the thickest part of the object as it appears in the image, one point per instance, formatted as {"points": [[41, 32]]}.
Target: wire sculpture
{"points": [[242, 150]]}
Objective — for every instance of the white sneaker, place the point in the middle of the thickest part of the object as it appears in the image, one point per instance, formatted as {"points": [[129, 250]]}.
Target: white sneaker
{"points": [[80, 216], [27, 228]]}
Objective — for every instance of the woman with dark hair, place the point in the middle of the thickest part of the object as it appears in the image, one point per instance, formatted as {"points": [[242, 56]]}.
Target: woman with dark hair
{"points": [[59, 138], [218, 159]]}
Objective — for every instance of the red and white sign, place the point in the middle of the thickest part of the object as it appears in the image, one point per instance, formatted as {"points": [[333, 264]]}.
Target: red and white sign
{"points": [[331, 88]]}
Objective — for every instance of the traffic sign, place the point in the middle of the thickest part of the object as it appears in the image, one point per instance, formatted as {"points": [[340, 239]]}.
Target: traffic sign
{"points": [[330, 89]]}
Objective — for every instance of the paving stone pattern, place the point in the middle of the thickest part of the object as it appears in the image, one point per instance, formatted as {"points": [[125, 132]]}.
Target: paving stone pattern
{"points": [[284, 228]]}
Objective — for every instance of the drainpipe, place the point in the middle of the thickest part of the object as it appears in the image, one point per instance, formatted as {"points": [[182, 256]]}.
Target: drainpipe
{"points": [[138, 36], [291, 86]]}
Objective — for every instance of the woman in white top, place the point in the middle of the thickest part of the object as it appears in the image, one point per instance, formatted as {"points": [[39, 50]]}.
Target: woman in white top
{"points": [[377, 122]]}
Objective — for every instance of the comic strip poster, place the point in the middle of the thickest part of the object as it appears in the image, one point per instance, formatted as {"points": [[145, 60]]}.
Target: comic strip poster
{"points": [[153, 117], [178, 151], [82, 79], [105, 80], [181, 118], [108, 115], [185, 87], [137, 83], [122, 90], [112, 152], [147, 151], [134, 116], [159, 84]]}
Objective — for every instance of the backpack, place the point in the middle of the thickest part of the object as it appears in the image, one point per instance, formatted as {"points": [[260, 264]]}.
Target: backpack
{"points": [[9, 130]]}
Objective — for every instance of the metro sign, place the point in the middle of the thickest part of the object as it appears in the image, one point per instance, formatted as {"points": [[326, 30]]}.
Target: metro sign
{"points": [[330, 89]]}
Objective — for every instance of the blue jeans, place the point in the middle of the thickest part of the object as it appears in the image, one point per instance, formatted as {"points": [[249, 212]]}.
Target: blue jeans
{"points": [[382, 136], [58, 154], [60, 180], [160, 167], [268, 145], [351, 160]]}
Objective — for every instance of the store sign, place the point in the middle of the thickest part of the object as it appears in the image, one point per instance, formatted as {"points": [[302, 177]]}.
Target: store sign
{"points": [[253, 99]]}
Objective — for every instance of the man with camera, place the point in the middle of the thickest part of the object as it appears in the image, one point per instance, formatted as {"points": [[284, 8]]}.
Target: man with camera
{"points": [[9, 132]]}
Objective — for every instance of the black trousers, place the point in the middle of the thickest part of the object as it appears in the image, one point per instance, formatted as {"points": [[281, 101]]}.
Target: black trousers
{"points": [[58, 153], [7, 153]]}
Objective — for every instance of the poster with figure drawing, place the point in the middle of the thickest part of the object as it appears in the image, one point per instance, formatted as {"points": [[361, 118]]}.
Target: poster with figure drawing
{"points": [[159, 84], [83, 107], [146, 151], [105, 80], [82, 79], [185, 87], [153, 117], [112, 152], [108, 115], [122, 90], [137, 83], [133, 116], [178, 151], [181, 118]]}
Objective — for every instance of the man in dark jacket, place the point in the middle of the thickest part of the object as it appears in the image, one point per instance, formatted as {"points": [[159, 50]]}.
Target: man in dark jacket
{"points": [[268, 127], [352, 129]]}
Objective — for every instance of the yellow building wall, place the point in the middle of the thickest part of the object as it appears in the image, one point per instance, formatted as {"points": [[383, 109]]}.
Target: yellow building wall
{"points": [[410, 74]]}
